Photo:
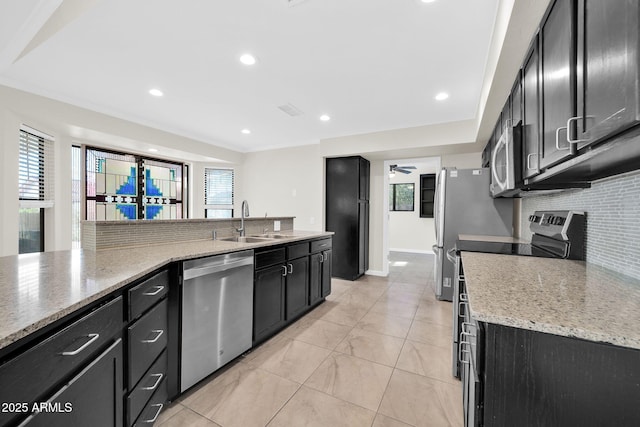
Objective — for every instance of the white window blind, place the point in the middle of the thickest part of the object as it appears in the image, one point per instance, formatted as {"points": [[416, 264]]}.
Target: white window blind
{"points": [[35, 170], [218, 192]]}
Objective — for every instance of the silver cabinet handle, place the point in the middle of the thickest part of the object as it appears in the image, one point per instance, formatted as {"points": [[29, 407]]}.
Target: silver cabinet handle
{"points": [[461, 305], [468, 332], [290, 271], [569, 140], [529, 160], [325, 257], [321, 258], [156, 292], [92, 337], [153, 420], [558, 139], [153, 387], [157, 337], [461, 351], [464, 297], [284, 271]]}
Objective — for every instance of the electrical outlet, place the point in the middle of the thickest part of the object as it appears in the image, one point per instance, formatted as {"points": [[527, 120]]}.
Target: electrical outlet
{"points": [[276, 225]]}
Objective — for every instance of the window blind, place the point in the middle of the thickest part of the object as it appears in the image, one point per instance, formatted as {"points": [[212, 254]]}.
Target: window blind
{"points": [[35, 171], [218, 188]]}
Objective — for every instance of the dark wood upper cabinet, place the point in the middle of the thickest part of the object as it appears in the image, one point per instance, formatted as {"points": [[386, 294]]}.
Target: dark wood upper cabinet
{"points": [[530, 113], [427, 193], [557, 71], [608, 94]]}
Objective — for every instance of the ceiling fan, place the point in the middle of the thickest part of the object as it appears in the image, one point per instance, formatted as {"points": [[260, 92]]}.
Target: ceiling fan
{"points": [[402, 169]]}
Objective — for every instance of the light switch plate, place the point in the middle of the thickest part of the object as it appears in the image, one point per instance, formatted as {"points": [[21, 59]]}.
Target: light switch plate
{"points": [[276, 225]]}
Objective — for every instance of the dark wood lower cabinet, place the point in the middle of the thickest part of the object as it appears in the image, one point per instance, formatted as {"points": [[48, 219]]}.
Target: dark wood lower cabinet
{"points": [[320, 276], [93, 398], [268, 301], [297, 290], [538, 379]]}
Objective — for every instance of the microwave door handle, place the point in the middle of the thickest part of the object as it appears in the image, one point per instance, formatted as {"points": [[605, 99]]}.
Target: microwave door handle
{"points": [[494, 156]]}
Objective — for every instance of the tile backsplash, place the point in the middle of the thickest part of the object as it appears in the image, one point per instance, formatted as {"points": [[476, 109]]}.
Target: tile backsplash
{"points": [[612, 206]]}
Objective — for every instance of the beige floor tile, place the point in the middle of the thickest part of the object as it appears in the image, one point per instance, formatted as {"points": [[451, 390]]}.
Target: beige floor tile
{"points": [[360, 299], [385, 324], [419, 401], [384, 421], [415, 288], [372, 346], [395, 308], [311, 408], [318, 332], [186, 417], [289, 358], [352, 379], [439, 313], [428, 360], [343, 314], [431, 333], [169, 411], [400, 295], [243, 396], [339, 286]]}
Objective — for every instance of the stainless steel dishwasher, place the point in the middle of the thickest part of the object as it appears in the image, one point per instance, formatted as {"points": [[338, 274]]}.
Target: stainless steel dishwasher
{"points": [[217, 313]]}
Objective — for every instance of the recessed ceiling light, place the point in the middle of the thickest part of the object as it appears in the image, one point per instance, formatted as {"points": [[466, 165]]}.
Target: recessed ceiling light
{"points": [[325, 118], [427, 1], [153, 150], [156, 92], [442, 96], [248, 59], [246, 131]]}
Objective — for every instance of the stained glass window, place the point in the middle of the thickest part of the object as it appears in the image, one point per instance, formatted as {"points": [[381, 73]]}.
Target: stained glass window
{"points": [[123, 186]]}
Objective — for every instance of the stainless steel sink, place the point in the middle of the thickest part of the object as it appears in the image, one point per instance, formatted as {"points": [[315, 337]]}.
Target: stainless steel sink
{"points": [[251, 239], [272, 236]]}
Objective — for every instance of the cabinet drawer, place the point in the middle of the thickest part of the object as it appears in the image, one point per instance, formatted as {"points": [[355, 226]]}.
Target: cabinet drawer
{"points": [[270, 257], [147, 339], [36, 372], [146, 294], [155, 405], [149, 383], [321, 245], [297, 250]]}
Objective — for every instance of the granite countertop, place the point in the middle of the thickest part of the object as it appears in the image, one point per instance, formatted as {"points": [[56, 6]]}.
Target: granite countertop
{"points": [[38, 289], [561, 297]]}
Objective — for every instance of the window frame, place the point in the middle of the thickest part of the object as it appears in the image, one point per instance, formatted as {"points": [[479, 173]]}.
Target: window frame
{"points": [[221, 207], [392, 197]]}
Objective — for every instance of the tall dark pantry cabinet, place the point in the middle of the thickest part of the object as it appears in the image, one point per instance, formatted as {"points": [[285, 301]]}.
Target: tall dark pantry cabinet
{"points": [[347, 214]]}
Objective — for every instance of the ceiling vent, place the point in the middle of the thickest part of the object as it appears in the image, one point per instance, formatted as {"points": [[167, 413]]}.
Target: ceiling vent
{"points": [[290, 109], [292, 3]]}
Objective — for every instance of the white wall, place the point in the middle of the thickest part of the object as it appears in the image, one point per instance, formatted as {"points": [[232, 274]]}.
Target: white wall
{"points": [[287, 182], [407, 231]]}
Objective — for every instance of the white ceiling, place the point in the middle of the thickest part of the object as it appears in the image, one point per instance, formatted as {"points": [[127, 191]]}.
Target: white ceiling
{"points": [[372, 65]]}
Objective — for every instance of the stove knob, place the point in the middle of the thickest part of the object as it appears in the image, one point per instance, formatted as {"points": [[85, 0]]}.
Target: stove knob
{"points": [[550, 219]]}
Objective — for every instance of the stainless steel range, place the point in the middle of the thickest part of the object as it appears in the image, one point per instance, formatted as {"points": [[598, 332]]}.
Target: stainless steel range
{"points": [[556, 234]]}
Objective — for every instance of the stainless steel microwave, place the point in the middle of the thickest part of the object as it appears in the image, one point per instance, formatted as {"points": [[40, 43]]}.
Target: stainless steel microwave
{"points": [[506, 175]]}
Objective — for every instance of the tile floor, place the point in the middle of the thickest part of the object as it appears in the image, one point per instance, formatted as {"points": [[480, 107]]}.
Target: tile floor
{"points": [[376, 353]]}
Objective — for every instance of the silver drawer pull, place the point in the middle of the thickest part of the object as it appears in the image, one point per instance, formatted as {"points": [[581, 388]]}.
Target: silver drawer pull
{"points": [[461, 351], [558, 139], [321, 258], [325, 256], [290, 271], [153, 420], [468, 331], [157, 331], [153, 387], [464, 297], [156, 292], [529, 160], [92, 337], [461, 310], [284, 271]]}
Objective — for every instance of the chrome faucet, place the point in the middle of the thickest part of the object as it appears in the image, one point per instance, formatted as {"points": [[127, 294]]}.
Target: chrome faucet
{"points": [[245, 213]]}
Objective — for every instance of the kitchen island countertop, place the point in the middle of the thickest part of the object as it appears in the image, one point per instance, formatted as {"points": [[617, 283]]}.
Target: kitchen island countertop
{"points": [[38, 289], [556, 296]]}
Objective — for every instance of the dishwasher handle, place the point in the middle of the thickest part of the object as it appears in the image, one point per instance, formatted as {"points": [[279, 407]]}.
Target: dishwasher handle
{"points": [[192, 273]]}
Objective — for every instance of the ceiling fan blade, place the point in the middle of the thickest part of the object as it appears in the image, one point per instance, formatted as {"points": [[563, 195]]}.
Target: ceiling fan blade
{"points": [[402, 170], [406, 167]]}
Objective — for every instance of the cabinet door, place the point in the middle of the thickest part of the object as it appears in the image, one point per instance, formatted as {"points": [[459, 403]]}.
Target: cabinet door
{"points": [[363, 178], [505, 116], [530, 114], [315, 277], [516, 100], [557, 69], [608, 58], [268, 301], [363, 237], [297, 286], [93, 398], [326, 273]]}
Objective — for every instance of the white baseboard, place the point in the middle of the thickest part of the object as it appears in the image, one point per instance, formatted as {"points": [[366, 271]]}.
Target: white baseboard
{"points": [[415, 251], [376, 273]]}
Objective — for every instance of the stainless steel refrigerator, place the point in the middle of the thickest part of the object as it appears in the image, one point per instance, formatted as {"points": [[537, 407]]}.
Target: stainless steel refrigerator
{"points": [[463, 205]]}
